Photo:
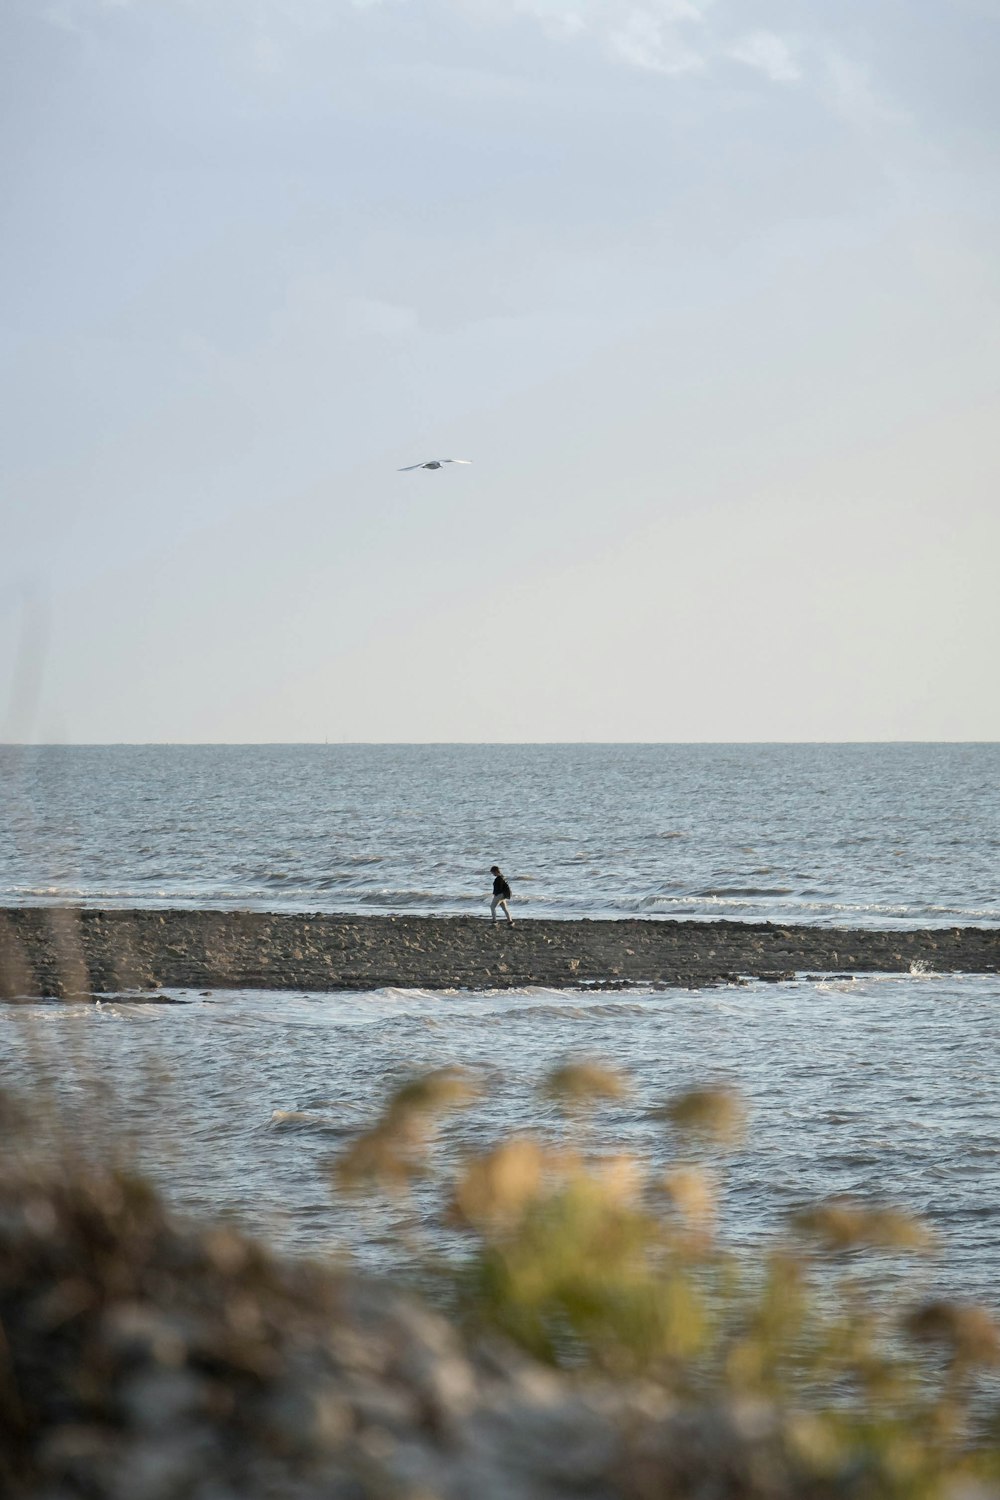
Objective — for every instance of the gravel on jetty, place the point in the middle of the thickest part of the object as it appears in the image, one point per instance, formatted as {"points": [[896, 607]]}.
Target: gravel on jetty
{"points": [[65, 952]]}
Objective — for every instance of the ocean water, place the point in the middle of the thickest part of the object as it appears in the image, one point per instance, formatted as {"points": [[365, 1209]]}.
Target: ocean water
{"points": [[835, 834], [880, 1087]]}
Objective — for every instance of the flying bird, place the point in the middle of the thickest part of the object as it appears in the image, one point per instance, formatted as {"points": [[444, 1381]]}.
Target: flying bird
{"points": [[433, 463]]}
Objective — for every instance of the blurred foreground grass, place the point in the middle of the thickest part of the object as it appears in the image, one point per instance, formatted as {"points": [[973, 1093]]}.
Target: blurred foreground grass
{"points": [[601, 1266], [148, 1361]]}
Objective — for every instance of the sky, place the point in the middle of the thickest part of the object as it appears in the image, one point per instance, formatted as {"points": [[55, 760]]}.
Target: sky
{"points": [[707, 290]]}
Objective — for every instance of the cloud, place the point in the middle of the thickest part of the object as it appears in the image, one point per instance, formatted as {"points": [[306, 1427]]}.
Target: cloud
{"points": [[654, 42], [670, 37], [654, 35], [856, 98], [769, 54]]}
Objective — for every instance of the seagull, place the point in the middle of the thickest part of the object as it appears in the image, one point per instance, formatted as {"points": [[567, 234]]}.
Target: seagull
{"points": [[433, 463]]}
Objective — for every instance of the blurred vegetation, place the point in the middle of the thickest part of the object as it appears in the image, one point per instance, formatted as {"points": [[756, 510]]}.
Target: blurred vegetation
{"points": [[599, 1264]]}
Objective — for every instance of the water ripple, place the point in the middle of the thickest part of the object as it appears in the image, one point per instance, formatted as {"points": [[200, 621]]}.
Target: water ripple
{"points": [[235, 1101], [875, 835]]}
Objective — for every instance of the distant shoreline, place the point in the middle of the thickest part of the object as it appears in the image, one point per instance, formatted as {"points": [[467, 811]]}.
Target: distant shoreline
{"points": [[68, 952]]}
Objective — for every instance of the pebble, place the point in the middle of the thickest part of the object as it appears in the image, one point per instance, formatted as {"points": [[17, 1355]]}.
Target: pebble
{"points": [[141, 950]]}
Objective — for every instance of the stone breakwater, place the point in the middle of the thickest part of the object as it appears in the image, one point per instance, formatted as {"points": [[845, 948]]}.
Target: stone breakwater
{"points": [[69, 953]]}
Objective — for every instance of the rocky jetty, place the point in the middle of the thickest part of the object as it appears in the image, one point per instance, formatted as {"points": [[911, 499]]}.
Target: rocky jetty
{"points": [[63, 952]]}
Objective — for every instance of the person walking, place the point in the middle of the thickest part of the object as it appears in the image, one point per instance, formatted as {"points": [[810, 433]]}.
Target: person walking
{"points": [[501, 895]]}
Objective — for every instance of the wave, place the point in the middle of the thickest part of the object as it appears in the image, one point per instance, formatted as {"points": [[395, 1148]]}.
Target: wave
{"points": [[308, 1121], [398, 992], [346, 889], [745, 890], [436, 899]]}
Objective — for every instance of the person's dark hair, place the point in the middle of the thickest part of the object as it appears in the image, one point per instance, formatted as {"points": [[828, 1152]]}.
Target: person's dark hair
{"points": [[494, 869]]}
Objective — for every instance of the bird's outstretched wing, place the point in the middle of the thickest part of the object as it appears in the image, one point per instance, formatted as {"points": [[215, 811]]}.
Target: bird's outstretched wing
{"points": [[433, 463]]}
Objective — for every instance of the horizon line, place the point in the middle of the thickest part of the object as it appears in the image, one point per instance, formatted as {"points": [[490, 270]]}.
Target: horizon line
{"points": [[443, 744]]}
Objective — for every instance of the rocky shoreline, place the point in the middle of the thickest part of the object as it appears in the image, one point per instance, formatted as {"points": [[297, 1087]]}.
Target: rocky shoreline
{"points": [[67, 953]]}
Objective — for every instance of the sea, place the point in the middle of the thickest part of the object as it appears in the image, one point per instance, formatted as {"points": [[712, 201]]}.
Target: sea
{"points": [[883, 1088], [885, 835]]}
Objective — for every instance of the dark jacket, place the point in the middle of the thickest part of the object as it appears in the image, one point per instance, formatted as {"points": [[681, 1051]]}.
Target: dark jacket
{"points": [[501, 888]]}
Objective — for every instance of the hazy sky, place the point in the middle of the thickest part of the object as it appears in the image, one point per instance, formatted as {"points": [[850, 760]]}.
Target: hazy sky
{"points": [[709, 290]]}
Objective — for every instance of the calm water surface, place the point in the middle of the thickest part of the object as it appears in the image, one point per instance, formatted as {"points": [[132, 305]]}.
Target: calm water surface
{"points": [[847, 834]]}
